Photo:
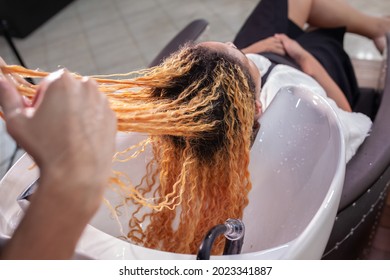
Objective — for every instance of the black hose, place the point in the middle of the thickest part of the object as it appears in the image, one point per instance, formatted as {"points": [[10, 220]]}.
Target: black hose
{"points": [[232, 229], [207, 243], [233, 247]]}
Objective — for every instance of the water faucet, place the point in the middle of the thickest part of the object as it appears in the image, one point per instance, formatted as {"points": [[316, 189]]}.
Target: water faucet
{"points": [[232, 229]]}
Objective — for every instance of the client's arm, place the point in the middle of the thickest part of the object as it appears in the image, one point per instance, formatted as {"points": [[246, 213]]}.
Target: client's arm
{"points": [[69, 131], [271, 44], [311, 66]]}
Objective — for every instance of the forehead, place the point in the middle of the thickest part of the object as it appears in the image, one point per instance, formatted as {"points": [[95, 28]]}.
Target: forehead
{"points": [[225, 48], [232, 51]]}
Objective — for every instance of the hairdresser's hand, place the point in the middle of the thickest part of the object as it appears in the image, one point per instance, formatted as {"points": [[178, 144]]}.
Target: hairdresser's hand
{"points": [[2, 62], [69, 131], [271, 44], [12, 78]]}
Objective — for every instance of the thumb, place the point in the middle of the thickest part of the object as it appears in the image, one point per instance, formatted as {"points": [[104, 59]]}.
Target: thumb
{"points": [[12, 105], [11, 101]]}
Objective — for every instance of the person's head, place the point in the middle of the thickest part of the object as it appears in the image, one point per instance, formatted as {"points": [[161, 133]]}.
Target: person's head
{"points": [[217, 83], [246, 65]]}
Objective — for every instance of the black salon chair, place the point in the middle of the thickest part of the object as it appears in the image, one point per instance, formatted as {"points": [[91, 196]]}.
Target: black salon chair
{"points": [[367, 178]]}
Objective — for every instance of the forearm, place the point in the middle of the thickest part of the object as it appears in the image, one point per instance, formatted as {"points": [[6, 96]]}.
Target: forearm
{"points": [[254, 48], [51, 227], [74, 154], [270, 44], [311, 66]]}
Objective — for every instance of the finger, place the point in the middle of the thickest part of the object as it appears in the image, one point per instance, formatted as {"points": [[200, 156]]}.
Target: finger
{"points": [[280, 35], [2, 62], [18, 80], [283, 37], [14, 78], [91, 87], [281, 48], [281, 51], [277, 48], [44, 85], [10, 100]]}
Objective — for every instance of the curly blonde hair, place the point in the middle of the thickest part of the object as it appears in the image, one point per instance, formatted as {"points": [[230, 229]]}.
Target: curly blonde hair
{"points": [[198, 109]]}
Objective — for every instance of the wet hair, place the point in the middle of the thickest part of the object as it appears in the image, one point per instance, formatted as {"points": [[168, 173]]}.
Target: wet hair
{"points": [[197, 109]]}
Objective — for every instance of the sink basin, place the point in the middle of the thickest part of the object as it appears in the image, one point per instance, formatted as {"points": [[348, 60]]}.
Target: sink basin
{"points": [[297, 169]]}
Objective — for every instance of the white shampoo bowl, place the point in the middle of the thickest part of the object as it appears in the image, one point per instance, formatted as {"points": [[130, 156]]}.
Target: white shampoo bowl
{"points": [[297, 169]]}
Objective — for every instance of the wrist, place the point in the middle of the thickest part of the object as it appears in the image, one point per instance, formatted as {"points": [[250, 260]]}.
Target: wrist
{"points": [[254, 48], [70, 193], [50, 228], [308, 64], [246, 50]]}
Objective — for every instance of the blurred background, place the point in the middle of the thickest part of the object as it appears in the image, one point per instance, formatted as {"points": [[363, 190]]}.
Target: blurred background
{"points": [[114, 36]]}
